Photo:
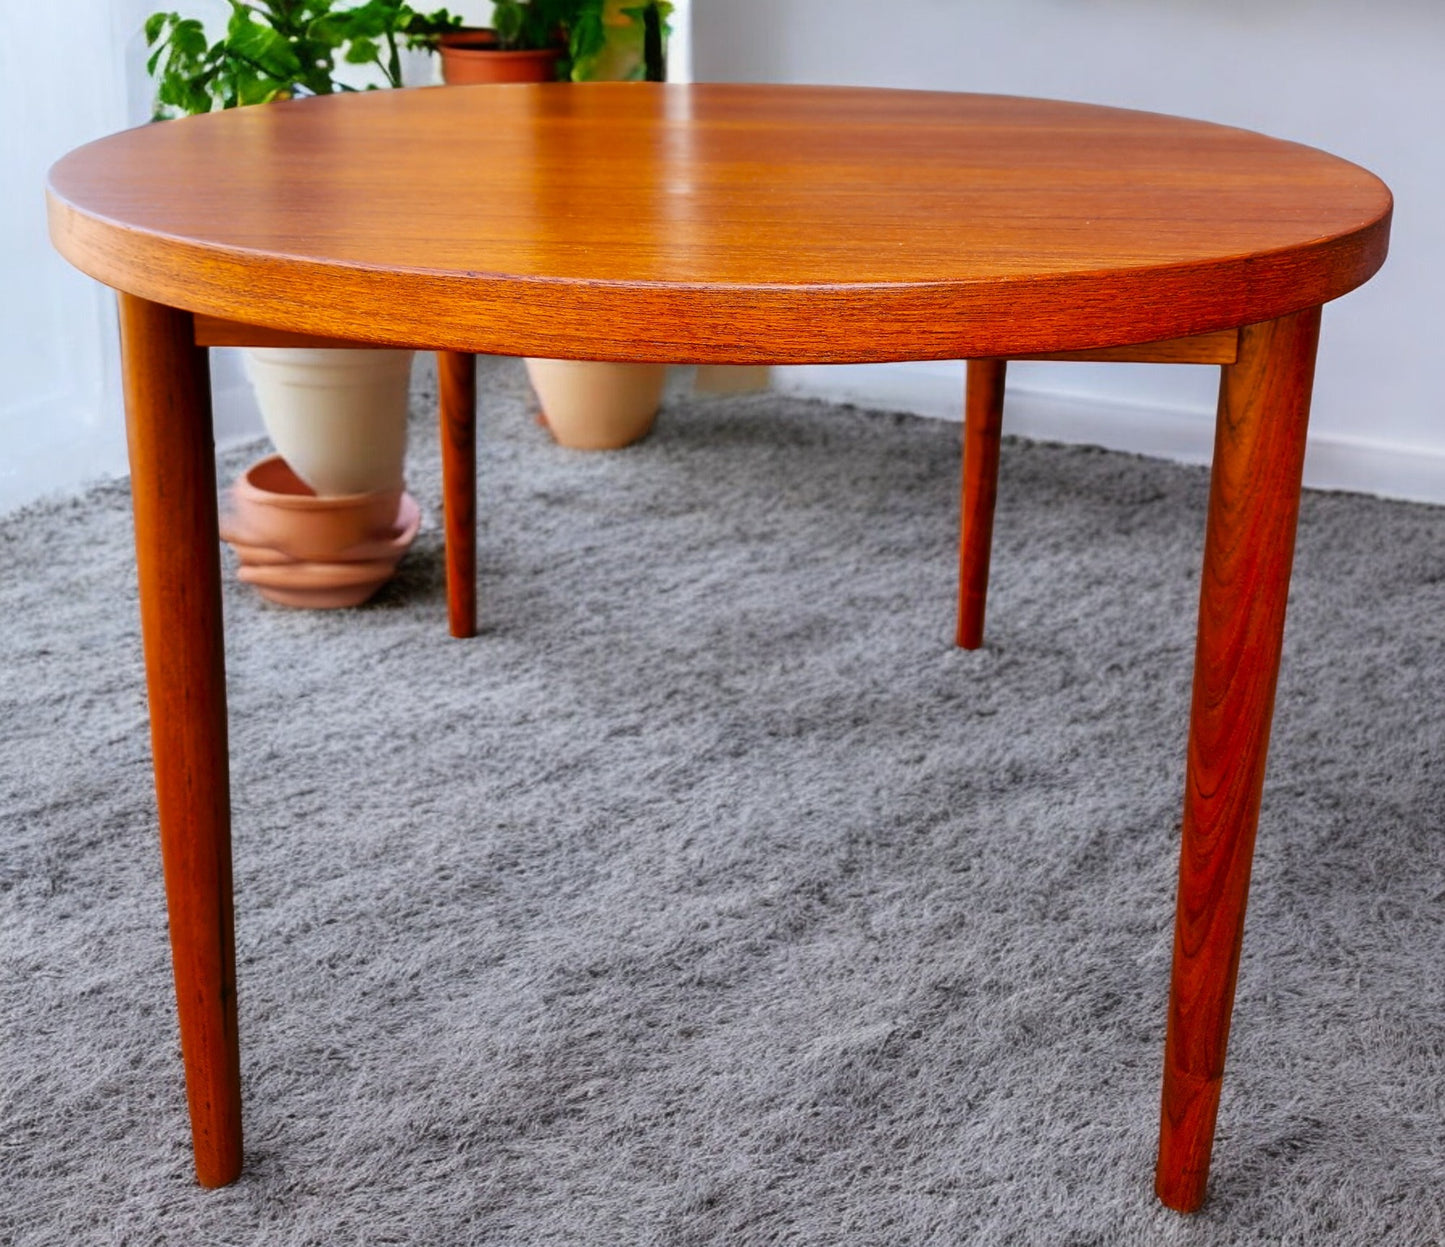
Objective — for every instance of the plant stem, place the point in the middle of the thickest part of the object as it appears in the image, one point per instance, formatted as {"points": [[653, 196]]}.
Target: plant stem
{"points": [[392, 69], [653, 60]]}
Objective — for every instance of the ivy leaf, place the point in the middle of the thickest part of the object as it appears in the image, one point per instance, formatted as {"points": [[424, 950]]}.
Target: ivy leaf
{"points": [[507, 18], [156, 22], [188, 38], [588, 38], [257, 89], [363, 52], [196, 99], [370, 21], [333, 29], [263, 46]]}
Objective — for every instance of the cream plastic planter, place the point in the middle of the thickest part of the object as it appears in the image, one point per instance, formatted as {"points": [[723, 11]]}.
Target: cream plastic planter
{"points": [[338, 417], [592, 406]]}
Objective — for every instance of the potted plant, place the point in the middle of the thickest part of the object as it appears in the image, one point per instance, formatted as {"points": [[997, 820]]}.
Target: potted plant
{"points": [[526, 42], [548, 40], [337, 417]]}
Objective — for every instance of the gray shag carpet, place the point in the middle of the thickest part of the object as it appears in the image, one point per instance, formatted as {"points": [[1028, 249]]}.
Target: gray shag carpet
{"points": [[711, 896]]}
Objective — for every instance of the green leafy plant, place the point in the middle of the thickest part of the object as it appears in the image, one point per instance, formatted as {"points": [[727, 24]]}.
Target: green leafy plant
{"points": [[578, 26], [587, 37], [374, 32], [277, 49], [526, 24]]}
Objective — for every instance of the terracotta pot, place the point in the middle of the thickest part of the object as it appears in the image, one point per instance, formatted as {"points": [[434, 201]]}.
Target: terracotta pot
{"points": [[338, 417], [273, 507], [471, 56], [592, 406], [298, 549]]}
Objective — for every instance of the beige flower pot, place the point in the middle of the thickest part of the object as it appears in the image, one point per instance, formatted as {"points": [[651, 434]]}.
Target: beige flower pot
{"points": [[338, 417], [592, 406]]}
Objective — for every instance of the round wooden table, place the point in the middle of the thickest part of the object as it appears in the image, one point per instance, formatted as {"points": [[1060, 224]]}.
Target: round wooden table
{"points": [[728, 224]]}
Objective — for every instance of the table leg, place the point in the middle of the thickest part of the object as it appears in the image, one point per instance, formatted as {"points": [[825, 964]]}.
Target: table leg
{"points": [[982, 422], [173, 488], [1259, 447], [457, 375]]}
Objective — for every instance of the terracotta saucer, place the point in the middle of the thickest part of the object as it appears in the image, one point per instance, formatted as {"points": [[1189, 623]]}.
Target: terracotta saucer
{"points": [[322, 586], [254, 552]]}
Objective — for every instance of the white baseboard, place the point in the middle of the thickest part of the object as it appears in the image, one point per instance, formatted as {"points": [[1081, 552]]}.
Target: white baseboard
{"points": [[1184, 434]]}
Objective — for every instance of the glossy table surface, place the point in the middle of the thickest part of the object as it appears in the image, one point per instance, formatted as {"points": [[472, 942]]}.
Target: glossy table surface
{"points": [[726, 224], [719, 222]]}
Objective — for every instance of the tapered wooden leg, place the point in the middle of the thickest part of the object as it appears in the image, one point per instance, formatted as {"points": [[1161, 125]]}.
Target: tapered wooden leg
{"points": [[982, 423], [173, 488], [1259, 447], [457, 374]]}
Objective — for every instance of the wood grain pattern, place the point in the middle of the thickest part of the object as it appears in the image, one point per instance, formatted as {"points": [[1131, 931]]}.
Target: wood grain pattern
{"points": [[457, 381], [982, 427], [718, 223], [173, 488], [213, 331], [1221, 347], [1259, 448]]}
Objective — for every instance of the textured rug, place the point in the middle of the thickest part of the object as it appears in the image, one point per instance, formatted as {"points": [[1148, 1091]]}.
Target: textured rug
{"points": [[711, 896]]}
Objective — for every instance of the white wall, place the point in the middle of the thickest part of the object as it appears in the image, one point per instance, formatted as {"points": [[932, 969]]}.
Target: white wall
{"points": [[1363, 80], [60, 407], [55, 419], [61, 423], [61, 420]]}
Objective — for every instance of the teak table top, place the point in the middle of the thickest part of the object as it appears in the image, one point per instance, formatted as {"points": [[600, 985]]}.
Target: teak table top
{"points": [[718, 222]]}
